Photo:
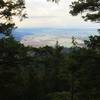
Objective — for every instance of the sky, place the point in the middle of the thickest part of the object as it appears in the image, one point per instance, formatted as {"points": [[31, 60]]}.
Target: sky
{"points": [[43, 14]]}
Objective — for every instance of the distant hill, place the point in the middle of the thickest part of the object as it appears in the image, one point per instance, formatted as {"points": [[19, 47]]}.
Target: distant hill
{"points": [[81, 33]]}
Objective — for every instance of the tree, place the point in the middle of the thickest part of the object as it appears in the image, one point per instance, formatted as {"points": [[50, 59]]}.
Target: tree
{"points": [[15, 65], [56, 1], [91, 7], [8, 10]]}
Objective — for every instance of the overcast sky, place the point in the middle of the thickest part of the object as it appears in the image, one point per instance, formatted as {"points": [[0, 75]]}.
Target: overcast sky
{"points": [[43, 14]]}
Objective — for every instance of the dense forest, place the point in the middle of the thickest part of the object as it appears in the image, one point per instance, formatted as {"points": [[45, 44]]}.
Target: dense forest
{"points": [[48, 73]]}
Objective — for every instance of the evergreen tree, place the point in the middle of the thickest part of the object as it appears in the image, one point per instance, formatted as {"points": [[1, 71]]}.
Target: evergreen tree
{"points": [[8, 10], [90, 7]]}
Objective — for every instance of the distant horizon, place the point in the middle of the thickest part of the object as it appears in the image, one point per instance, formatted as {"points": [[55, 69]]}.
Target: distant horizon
{"points": [[57, 28], [37, 37]]}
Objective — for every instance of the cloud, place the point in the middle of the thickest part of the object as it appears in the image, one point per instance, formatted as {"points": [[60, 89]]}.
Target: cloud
{"points": [[46, 14]]}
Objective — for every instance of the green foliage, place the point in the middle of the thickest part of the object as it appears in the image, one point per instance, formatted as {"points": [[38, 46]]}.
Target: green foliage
{"points": [[13, 64], [28, 73], [58, 96], [93, 42], [92, 7], [8, 10]]}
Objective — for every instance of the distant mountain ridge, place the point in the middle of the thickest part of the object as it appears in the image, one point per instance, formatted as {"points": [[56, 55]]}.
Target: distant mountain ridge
{"points": [[38, 37], [21, 32]]}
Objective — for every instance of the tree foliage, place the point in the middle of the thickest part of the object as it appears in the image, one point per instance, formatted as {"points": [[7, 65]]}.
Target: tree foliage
{"points": [[91, 8], [8, 10], [28, 73]]}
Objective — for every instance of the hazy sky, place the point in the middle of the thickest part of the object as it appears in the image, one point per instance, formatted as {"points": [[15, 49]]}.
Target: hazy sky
{"points": [[46, 14]]}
